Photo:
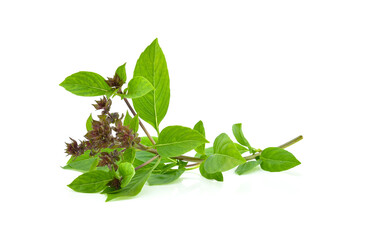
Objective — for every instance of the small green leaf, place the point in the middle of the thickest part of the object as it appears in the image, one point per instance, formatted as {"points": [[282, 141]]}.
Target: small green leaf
{"points": [[89, 121], [247, 167], [226, 156], [167, 177], [146, 141], [144, 156], [241, 148], [221, 163], [121, 72], [201, 129], [151, 65], [275, 159], [138, 87], [176, 140], [129, 155], [86, 84], [209, 151], [224, 145], [239, 136], [132, 123], [91, 182], [136, 184], [82, 163], [127, 171], [216, 176], [127, 119]]}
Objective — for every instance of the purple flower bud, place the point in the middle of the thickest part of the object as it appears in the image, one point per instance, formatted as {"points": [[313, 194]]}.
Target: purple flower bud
{"points": [[74, 148], [104, 104]]}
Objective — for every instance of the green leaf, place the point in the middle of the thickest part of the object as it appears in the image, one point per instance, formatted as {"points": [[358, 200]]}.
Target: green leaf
{"points": [[226, 156], [87, 84], [247, 167], [239, 135], [89, 121], [151, 65], [127, 119], [144, 156], [129, 155], [167, 177], [85, 162], [221, 163], [91, 182], [176, 140], [121, 72], [82, 163], [241, 148], [216, 176], [201, 129], [127, 171], [133, 123], [138, 87], [136, 184], [275, 159], [209, 151], [146, 141]]}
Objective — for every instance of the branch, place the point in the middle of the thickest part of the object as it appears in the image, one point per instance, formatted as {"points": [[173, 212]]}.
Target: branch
{"points": [[141, 124], [147, 162]]}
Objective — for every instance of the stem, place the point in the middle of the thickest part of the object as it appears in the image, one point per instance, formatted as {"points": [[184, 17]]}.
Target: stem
{"points": [[285, 145], [291, 142], [181, 157], [199, 160], [193, 166], [189, 159], [147, 162], [141, 124]]}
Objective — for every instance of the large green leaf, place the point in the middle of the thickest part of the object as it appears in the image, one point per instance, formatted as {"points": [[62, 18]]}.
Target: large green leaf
{"points": [[226, 155], [239, 136], [275, 159], [135, 185], [176, 140], [86, 84], [201, 129], [91, 182], [138, 87], [151, 65]]}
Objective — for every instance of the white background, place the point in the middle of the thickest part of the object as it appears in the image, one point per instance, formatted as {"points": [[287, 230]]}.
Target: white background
{"points": [[282, 68]]}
